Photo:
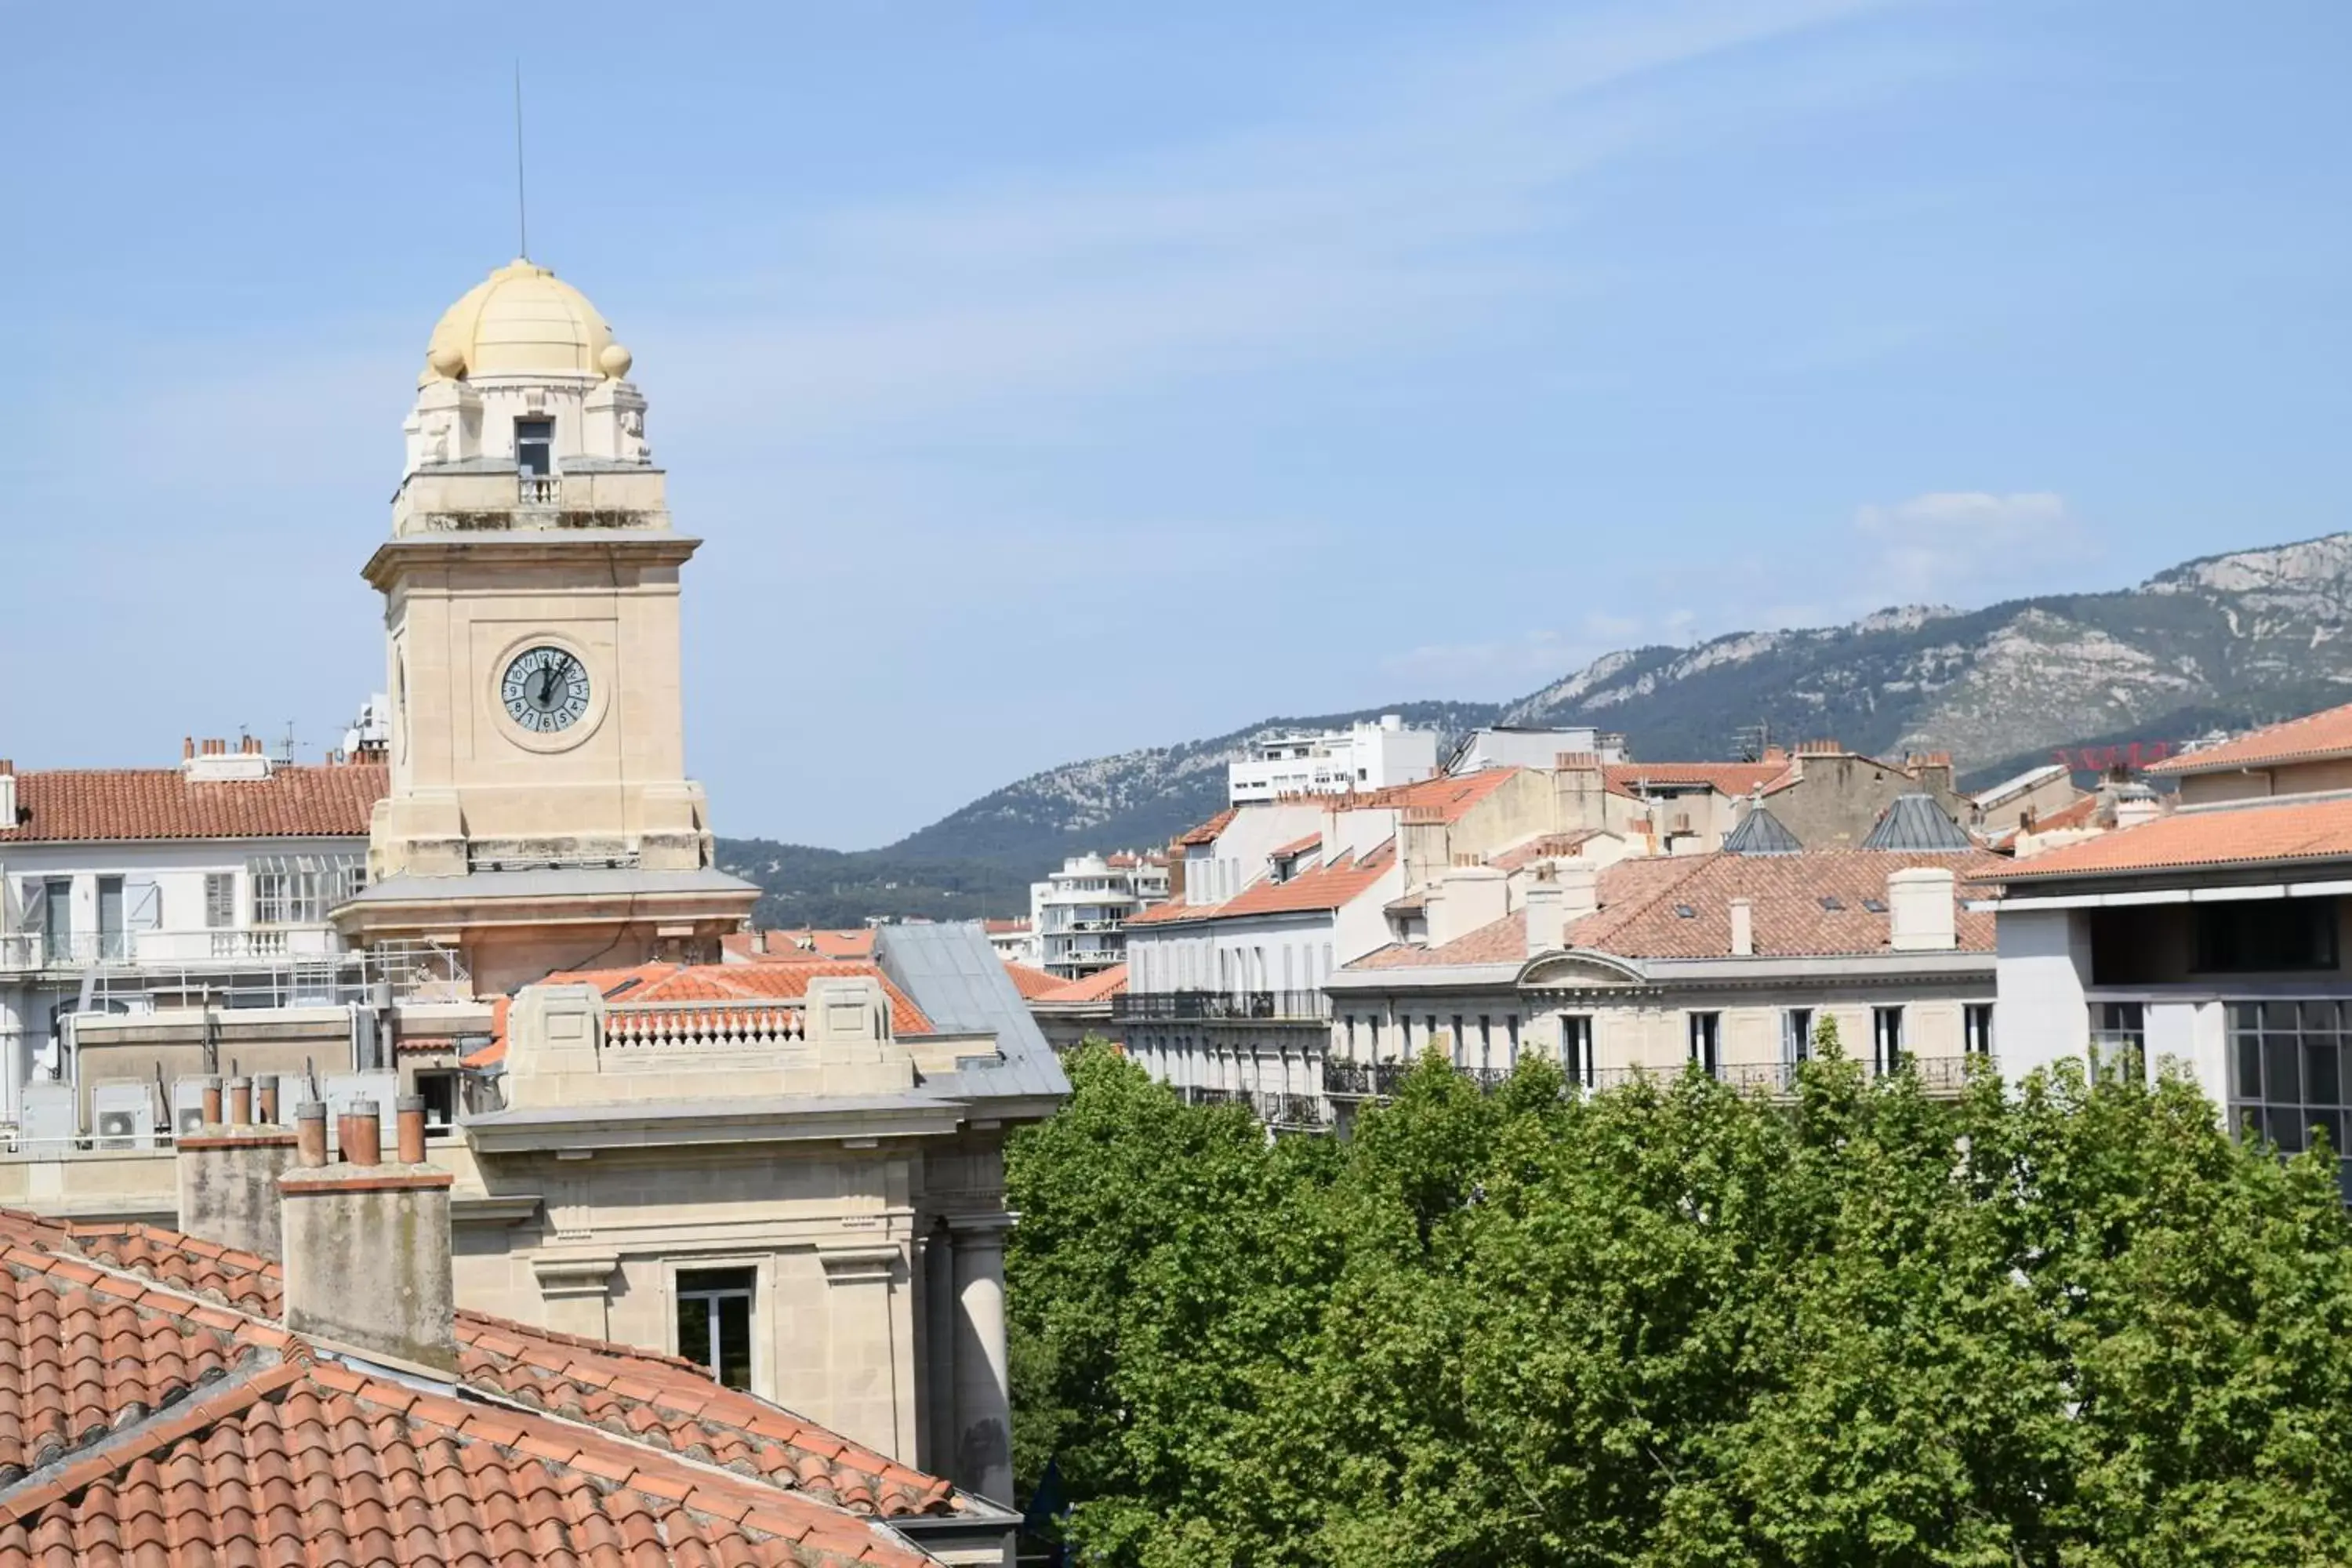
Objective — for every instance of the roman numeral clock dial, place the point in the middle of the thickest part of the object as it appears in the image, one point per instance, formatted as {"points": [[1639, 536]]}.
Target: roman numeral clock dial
{"points": [[545, 691]]}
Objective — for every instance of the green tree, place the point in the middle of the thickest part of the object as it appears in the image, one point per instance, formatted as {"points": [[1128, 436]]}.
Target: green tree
{"points": [[1671, 1324]]}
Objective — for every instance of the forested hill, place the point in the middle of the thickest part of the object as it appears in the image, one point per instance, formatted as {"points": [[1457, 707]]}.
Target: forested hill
{"points": [[2219, 643]]}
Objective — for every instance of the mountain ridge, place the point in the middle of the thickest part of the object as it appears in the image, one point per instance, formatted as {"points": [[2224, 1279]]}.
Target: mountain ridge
{"points": [[2221, 641]]}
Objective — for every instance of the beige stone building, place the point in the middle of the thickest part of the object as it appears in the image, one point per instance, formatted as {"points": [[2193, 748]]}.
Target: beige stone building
{"points": [[782, 1159]]}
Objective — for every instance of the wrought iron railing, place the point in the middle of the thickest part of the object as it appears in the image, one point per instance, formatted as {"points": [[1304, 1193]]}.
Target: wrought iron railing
{"points": [[1225, 1006]]}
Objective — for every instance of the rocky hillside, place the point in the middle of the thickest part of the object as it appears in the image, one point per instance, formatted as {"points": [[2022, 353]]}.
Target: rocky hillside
{"points": [[2222, 643], [2218, 642]]}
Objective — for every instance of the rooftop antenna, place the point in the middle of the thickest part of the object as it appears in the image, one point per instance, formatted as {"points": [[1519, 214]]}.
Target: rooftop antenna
{"points": [[522, 210]]}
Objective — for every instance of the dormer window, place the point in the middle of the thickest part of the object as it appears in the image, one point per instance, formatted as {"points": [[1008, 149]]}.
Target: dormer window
{"points": [[535, 447]]}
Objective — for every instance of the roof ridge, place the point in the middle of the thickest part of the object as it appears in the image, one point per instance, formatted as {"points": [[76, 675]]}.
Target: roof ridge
{"points": [[78, 1468]]}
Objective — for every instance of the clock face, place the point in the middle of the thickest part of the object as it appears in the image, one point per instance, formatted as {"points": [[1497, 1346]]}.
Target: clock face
{"points": [[545, 690]]}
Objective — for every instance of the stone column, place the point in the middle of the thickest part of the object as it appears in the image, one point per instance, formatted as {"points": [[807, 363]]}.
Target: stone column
{"points": [[983, 1391], [936, 1393]]}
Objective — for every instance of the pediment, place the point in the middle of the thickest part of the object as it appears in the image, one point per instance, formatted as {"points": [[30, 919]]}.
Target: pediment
{"points": [[1574, 968]]}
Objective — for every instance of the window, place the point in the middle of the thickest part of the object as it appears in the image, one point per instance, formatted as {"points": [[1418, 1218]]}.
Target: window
{"points": [[57, 907], [1797, 1036], [273, 897], [1460, 1047], [1976, 1029], [2287, 1077], [714, 1321], [2254, 936], [1511, 1030], [1886, 1039], [1485, 1041], [1575, 1047], [220, 900], [535, 447], [439, 1090], [2118, 1038], [1706, 1042], [112, 946]]}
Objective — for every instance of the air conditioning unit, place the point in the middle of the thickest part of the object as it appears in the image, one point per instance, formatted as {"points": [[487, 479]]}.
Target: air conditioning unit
{"points": [[50, 1115], [187, 1106], [123, 1115]]}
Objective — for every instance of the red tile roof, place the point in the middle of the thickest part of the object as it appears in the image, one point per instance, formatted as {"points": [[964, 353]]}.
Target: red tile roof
{"points": [[1328, 887], [142, 1423], [1548, 846], [772, 980], [1100, 987], [1006, 927], [1032, 982], [2283, 832], [792, 944], [2327, 733], [1300, 846], [1451, 798], [1642, 901], [1207, 832], [130, 804], [1724, 778]]}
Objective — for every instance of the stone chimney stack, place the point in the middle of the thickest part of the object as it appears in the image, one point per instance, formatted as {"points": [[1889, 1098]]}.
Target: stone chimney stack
{"points": [[228, 1170], [1743, 929], [1542, 902], [1920, 915], [1578, 795], [2136, 804], [1464, 899], [1580, 892], [367, 1244]]}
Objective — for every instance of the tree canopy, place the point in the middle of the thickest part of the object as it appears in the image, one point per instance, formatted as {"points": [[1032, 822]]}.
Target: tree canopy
{"points": [[1674, 1325]]}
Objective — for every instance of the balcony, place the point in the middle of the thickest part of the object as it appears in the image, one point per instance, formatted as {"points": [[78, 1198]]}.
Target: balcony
{"points": [[1225, 1006], [33, 951], [1305, 1112], [1364, 1080], [538, 490]]}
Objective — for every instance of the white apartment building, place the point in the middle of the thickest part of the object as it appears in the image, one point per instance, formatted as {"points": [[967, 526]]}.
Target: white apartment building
{"points": [[210, 880], [2212, 937], [1078, 915], [1363, 757]]}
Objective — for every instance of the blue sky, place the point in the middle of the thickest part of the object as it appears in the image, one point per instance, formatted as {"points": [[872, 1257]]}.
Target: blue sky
{"points": [[1051, 381]]}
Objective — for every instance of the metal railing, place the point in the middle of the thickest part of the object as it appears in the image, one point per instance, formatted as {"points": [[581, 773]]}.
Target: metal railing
{"points": [[1364, 1080], [1291, 1109], [1194, 1095], [32, 950], [1225, 1006]]}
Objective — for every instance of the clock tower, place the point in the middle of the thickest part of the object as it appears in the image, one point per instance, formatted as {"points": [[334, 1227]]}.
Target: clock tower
{"points": [[540, 817]]}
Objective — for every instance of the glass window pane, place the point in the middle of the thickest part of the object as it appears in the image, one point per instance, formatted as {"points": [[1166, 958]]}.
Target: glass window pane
{"points": [[694, 1328], [2318, 1016], [2330, 1122], [2250, 1067], [734, 1366], [2282, 1084], [2278, 1015], [2286, 1128], [2245, 1016], [2321, 1083]]}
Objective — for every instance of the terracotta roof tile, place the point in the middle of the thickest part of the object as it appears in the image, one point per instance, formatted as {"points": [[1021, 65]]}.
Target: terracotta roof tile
{"points": [[2286, 832], [129, 804], [2326, 733], [1724, 778], [1032, 982], [1207, 832], [1642, 901], [136, 1430], [1451, 797], [1100, 987], [689, 983], [1547, 846], [1300, 846]]}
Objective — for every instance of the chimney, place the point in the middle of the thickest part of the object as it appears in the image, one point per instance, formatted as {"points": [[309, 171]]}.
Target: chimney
{"points": [[2136, 804], [1577, 792], [1542, 902], [228, 1170], [1919, 911], [367, 1244], [1580, 892], [1743, 929], [7, 794], [1464, 899]]}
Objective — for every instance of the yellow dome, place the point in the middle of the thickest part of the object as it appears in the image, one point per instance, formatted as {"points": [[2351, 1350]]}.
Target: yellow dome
{"points": [[522, 319]]}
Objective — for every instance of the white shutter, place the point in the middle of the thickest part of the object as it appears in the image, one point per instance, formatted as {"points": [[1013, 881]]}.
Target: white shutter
{"points": [[35, 903], [142, 904]]}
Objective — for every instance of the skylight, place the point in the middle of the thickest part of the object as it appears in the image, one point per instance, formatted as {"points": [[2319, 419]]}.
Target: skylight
{"points": [[1684, 911], [1830, 901]]}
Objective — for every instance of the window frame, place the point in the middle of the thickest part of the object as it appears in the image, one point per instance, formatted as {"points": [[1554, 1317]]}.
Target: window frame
{"points": [[758, 1290]]}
